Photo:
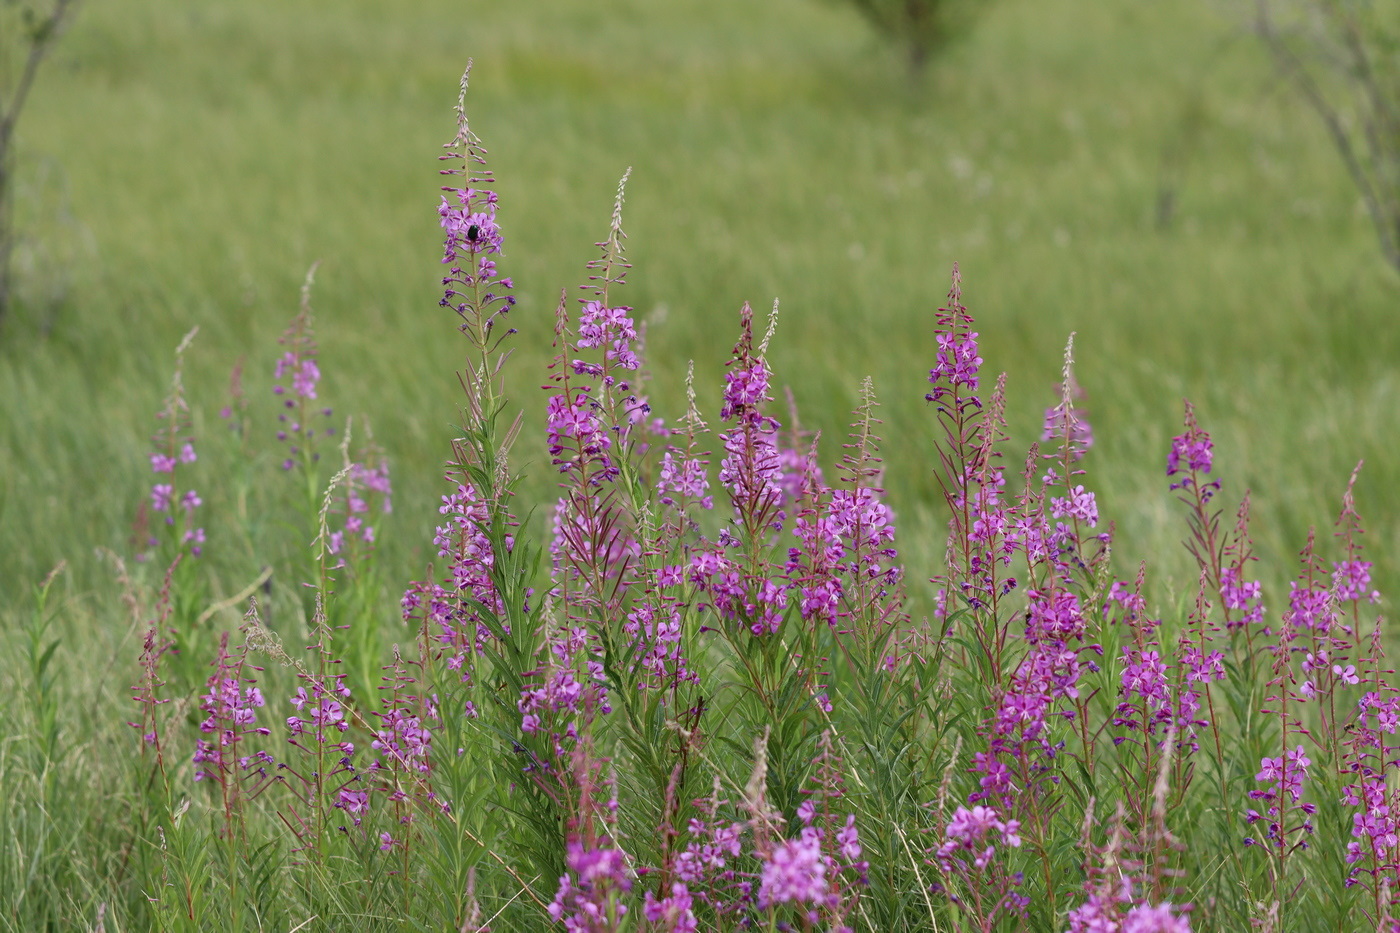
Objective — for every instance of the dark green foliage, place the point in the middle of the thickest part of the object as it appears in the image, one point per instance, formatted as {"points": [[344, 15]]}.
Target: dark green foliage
{"points": [[920, 28]]}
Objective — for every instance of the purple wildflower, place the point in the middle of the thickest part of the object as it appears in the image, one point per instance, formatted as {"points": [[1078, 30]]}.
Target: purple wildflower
{"points": [[712, 845], [1193, 447], [1102, 913], [173, 451], [451, 612], [1285, 776], [970, 833], [795, 871], [956, 372], [473, 286], [958, 364], [683, 477], [1146, 918], [297, 376], [161, 494], [1081, 433], [1311, 608], [230, 715], [1289, 779], [588, 897], [672, 912], [1078, 504], [657, 643], [1191, 453], [305, 374], [401, 741], [577, 432], [611, 329], [1242, 596], [752, 467], [365, 489], [1351, 580]]}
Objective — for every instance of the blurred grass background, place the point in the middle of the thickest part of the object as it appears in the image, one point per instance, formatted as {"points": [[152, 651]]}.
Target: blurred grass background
{"points": [[196, 159]]}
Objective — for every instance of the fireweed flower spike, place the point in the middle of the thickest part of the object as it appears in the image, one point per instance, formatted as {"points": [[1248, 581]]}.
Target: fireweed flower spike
{"points": [[707, 866], [1241, 598], [1066, 421], [366, 490], [1370, 751], [1367, 749], [751, 469], [403, 745], [297, 378], [174, 505], [230, 715], [1043, 688], [1076, 512], [1116, 901], [794, 872], [956, 373], [1351, 577], [683, 480], [955, 377], [473, 287], [1191, 454], [147, 691], [983, 530], [591, 893], [361, 488], [594, 414], [1189, 466], [821, 867], [594, 406], [1287, 820], [815, 564], [588, 899], [449, 612], [735, 573], [864, 526], [975, 874], [480, 297], [1328, 638]]}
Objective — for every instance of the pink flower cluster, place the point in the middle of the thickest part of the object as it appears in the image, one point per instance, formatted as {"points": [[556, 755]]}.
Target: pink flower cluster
{"points": [[588, 897], [451, 609], [230, 714], [363, 486], [1284, 776]]}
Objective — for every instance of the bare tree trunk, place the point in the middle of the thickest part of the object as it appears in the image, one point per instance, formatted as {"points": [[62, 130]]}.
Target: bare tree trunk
{"points": [[919, 16], [41, 35], [7, 233], [918, 61]]}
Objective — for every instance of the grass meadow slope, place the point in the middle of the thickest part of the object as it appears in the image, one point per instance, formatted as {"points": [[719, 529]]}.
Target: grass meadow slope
{"points": [[1131, 172]]}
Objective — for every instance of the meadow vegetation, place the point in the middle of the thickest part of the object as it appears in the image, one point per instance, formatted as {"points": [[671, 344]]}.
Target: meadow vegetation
{"points": [[665, 662]]}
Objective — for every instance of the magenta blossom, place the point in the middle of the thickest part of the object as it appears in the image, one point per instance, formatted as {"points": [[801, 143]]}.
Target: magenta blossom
{"points": [[796, 872]]}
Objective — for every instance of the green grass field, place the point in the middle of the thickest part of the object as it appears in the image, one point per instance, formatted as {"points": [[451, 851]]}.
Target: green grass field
{"points": [[210, 153], [198, 158]]}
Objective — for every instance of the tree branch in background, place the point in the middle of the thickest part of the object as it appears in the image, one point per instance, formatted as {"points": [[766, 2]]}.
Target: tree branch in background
{"points": [[38, 28], [1344, 57]]}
